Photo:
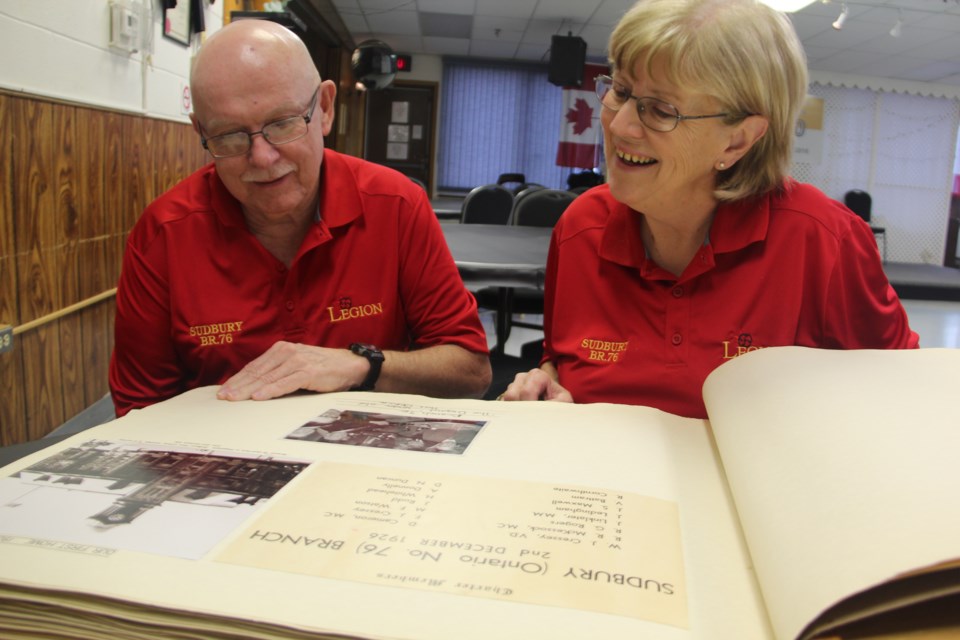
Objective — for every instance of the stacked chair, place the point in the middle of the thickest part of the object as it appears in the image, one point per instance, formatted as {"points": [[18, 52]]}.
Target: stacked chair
{"points": [[535, 206], [487, 204]]}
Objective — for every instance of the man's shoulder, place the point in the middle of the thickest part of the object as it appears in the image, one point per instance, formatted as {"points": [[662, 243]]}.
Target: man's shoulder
{"points": [[353, 185], [371, 178], [192, 195]]}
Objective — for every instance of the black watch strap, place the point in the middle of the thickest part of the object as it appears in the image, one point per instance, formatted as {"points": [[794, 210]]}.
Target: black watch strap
{"points": [[375, 357]]}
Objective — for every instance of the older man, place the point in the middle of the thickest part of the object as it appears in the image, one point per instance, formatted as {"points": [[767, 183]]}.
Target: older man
{"points": [[283, 265]]}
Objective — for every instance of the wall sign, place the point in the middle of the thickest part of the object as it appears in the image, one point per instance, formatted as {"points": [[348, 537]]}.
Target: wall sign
{"points": [[808, 143], [176, 22]]}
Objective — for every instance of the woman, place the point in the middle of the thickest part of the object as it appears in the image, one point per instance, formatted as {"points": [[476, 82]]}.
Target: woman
{"points": [[699, 248]]}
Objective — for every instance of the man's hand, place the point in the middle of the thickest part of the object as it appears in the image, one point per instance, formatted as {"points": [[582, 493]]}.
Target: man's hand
{"points": [[537, 384], [286, 367]]}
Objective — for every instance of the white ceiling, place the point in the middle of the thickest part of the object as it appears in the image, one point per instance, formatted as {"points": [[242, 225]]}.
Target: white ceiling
{"points": [[928, 49]]}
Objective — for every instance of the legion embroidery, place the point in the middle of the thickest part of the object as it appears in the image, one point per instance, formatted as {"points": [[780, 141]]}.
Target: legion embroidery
{"points": [[744, 345], [346, 310]]}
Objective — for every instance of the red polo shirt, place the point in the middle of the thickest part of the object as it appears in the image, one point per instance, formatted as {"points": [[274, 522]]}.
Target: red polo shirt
{"points": [[790, 268], [199, 296]]}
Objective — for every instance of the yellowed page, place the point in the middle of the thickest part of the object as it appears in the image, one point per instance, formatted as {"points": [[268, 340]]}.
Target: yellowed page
{"points": [[537, 543], [676, 527], [843, 466]]}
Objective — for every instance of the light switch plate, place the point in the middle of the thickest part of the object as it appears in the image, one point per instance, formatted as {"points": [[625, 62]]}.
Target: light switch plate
{"points": [[124, 26], [6, 338]]}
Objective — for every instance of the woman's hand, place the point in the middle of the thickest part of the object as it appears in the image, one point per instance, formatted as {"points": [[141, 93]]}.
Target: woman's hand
{"points": [[537, 384]]}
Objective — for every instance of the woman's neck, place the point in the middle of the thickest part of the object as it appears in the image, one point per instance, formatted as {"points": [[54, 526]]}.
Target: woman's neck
{"points": [[673, 245]]}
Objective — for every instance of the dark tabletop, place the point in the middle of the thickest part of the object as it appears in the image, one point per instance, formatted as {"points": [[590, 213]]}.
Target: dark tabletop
{"points": [[499, 255]]}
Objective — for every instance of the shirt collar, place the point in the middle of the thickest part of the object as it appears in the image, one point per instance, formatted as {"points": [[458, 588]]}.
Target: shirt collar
{"points": [[340, 202], [735, 226], [739, 224], [622, 241], [225, 206]]}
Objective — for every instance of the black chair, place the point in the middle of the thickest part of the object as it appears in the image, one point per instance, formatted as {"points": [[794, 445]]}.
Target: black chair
{"points": [[861, 204], [539, 207], [517, 179], [580, 181], [521, 195], [526, 186], [487, 204]]}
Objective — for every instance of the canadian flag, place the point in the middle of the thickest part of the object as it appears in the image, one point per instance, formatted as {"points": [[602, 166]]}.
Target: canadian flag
{"points": [[580, 133]]}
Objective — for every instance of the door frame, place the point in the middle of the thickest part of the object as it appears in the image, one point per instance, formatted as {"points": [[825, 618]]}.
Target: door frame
{"points": [[434, 88]]}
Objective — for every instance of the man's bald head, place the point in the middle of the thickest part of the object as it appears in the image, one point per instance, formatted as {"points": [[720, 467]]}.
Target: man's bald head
{"points": [[250, 50], [250, 75]]}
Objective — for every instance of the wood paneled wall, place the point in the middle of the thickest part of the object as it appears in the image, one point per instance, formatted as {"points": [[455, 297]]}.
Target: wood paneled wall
{"points": [[73, 180]]}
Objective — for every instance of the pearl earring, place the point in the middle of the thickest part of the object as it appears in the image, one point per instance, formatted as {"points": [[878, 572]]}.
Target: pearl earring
{"points": [[721, 166]]}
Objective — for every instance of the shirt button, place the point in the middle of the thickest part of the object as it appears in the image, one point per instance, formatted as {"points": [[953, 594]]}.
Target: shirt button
{"points": [[289, 305], [677, 292], [676, 339]]}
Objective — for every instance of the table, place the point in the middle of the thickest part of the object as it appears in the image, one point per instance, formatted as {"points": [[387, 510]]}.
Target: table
{"points": [[496, 255], [503, 256], [13, 452], [447, 208]]}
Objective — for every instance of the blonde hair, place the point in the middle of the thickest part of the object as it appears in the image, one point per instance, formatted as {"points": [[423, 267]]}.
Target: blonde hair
{"points": [[740, 52]]}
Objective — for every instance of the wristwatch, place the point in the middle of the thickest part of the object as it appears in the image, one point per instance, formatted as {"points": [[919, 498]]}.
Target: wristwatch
{"points": [[375, 357]]}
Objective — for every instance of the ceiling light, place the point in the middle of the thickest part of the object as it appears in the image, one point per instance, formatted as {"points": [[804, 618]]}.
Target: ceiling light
{"points": [[898, 27], [788, 6], [838, 23]]}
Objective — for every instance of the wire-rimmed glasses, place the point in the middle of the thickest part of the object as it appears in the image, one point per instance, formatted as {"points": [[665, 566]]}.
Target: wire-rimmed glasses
{"points": [[237, 143], [653, 113]]}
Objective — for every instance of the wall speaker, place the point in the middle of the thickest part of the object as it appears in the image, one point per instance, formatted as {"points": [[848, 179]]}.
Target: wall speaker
{"points": [[568, 54]]}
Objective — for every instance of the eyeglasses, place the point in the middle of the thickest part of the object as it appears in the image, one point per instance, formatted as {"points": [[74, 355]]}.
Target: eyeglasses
{"points": [[237, 143], [653, 113]]}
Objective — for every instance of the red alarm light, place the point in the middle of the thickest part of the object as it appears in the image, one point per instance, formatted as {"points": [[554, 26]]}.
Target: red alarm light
{"points": [[404, 62]]}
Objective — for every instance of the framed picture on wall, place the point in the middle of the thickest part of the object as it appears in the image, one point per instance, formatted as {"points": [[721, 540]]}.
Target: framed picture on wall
{"points": [[176, 22]]}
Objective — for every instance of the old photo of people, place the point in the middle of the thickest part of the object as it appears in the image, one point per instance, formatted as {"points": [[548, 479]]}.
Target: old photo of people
{"points": [[389, 431]]}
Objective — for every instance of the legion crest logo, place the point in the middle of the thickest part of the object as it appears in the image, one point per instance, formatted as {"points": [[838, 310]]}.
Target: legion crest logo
{"points": [[346, 310], [744, 344]]}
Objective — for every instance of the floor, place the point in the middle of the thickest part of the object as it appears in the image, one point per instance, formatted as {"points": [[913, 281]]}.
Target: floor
{"points": [[924, 281], [937, 322]]}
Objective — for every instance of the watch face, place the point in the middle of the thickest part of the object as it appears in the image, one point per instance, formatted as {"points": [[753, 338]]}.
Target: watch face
{"points": [[366, 350], [375, 357]]}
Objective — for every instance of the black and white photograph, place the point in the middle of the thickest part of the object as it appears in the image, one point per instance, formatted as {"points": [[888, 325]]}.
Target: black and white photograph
{"points": [[388, 431], [134, 496]]}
